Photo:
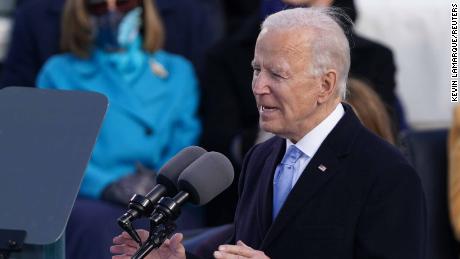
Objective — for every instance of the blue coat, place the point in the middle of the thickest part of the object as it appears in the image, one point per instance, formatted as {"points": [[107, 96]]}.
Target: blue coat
{"points": [[149, 118]]}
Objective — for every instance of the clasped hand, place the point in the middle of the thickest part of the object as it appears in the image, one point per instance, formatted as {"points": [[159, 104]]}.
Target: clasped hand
{"points": [[124, 247]]}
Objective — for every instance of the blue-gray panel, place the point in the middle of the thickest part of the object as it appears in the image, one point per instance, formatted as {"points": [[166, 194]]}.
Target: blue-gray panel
{"points": [[46, 139]]}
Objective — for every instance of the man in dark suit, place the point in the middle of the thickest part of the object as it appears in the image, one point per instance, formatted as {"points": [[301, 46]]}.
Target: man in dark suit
{"points": [[224, 90], [324, 186]]}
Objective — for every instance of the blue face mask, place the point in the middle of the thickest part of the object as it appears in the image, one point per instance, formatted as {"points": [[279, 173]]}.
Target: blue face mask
{"points": [[115, 30]]}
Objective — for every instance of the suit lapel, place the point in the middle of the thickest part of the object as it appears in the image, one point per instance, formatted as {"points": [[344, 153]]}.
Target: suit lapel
{"points": [[265, 207], [321, 169], [310, 182]]}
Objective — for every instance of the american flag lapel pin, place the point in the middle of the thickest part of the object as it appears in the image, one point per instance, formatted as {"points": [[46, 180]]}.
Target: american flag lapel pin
{"points": [[322, 167]]}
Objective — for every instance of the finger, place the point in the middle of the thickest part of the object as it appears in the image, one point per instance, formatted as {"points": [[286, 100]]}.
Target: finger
{"points": [[175, 243], [121, 240], [143, 234], [176, 239], [170, 250], [241, 243], [164, 248], [120, 257], [223, 255], [237, 250], [122, 250]]}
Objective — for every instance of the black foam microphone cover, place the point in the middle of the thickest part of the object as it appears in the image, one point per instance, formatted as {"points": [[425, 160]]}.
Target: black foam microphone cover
{"points": [[169, 173], [207, 177]]}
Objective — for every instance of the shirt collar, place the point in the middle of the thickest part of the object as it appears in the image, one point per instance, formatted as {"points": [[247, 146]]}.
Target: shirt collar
{"points": [[311, 142]]}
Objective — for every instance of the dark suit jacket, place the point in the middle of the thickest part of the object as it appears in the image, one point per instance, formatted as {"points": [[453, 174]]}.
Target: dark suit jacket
{"points": [[368, 203]]}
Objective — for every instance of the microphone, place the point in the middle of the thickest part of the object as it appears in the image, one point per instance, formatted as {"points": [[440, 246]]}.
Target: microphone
{"points": [[199, 183], [207, 177], [167, 178]]}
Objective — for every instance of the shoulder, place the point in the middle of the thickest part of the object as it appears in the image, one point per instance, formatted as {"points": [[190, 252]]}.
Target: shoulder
{"points": [[259, 153], [389, 181], [188, 14], [173, 62], [40, 11], [374, 148], [382, 162], [362, 155], [169, 58], [256, 158], [265, 148], [62, 68], [59, 62]]}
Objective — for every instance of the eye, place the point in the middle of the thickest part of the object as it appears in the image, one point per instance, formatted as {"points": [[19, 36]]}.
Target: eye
{"points": [[256, 70], [276, 75]]}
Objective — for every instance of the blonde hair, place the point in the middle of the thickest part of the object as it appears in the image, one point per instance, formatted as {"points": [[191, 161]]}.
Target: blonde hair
{"points": [[77, 30], [370, 109]]}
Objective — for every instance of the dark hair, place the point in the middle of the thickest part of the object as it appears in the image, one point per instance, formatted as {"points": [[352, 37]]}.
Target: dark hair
{"points": [[77, 30], [348, 6]]}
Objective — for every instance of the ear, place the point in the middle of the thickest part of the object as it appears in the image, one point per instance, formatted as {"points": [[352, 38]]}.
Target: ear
{"points": [[328, 86]]}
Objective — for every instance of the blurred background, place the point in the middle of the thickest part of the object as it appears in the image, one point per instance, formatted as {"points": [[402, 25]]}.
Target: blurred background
{"points": [[417, 31], [402, 49]]}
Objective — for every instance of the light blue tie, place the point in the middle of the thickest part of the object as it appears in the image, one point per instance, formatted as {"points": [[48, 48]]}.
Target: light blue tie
{"points": [[282, 182]]}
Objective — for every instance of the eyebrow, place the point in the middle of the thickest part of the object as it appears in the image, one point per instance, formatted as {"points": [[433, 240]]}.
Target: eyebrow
{"points": [[277, 68]]}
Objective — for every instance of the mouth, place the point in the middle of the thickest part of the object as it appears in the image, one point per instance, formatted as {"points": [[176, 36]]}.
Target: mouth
{"points": [[266, 109]]}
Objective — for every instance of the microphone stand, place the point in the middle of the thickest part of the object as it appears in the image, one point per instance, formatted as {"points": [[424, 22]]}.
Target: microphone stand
{"points": [[139, 206], [162, 223], [157, 236]]}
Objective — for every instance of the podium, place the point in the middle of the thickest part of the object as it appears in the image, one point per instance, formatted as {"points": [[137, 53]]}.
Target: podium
{"points": [[46, 139]]}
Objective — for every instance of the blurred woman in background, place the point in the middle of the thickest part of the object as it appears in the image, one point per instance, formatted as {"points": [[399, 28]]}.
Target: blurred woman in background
{"points": [[114, 47]]}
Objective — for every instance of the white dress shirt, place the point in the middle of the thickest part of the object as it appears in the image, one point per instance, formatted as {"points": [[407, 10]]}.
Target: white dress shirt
{"points": [[311, 142]]}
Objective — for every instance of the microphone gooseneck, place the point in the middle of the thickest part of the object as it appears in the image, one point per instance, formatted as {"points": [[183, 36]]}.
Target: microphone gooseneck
{"points": [[142, 206], [199, 183]]}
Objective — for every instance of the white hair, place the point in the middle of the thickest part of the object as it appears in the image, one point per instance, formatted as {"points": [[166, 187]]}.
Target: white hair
{"points": [[329, 46]]}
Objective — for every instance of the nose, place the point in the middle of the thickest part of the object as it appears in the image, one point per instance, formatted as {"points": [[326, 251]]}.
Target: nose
{"points": [[260, 84]]}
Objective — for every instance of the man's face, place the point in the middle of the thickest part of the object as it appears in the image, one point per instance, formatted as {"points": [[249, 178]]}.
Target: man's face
{"points": [[286, 93]]}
